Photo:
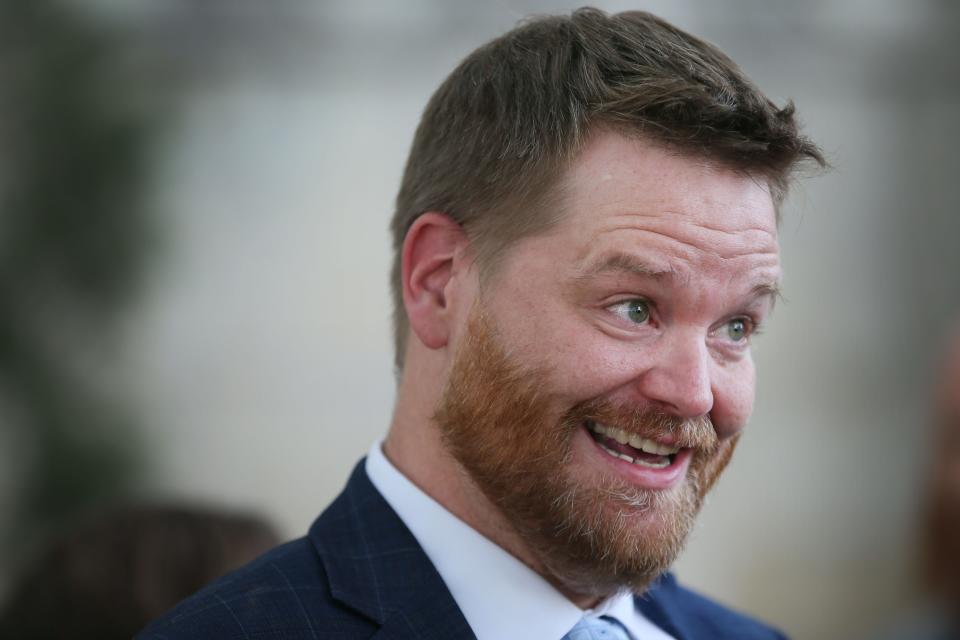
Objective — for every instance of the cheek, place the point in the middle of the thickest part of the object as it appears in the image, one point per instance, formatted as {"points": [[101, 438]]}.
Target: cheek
{"points": [[733, 395], [577, 362], [590, 365], [544, 334]]}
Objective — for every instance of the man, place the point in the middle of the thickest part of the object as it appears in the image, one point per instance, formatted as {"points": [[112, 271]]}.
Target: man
{"points": [[586, 242]]}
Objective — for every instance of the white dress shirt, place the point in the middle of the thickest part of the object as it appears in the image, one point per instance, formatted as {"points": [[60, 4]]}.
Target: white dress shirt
{"points": [[500, 597]]}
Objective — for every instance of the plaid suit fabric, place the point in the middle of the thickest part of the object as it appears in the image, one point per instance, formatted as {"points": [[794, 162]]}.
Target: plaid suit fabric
{"points": [[361, 574]]}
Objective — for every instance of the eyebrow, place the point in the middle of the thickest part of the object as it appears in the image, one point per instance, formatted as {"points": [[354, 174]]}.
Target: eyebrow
{"points": [[626, 263], [622, 262], [769, 290]]}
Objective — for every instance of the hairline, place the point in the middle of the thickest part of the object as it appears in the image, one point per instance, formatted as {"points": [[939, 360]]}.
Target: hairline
{"points": [[553, 191]]}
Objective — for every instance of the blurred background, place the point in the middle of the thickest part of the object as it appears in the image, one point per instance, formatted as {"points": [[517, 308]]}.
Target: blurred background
{"points": [[194, 199]]}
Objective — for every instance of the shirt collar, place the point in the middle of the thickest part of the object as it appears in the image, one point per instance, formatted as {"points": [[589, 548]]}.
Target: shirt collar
{"points": [[499, 596]]}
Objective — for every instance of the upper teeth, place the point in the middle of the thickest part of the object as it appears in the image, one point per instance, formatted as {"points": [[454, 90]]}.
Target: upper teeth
{"points": [[635, 441]]}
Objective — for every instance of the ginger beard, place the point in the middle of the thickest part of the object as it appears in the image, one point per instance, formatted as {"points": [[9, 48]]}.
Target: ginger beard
{"points": [[592, 534]]}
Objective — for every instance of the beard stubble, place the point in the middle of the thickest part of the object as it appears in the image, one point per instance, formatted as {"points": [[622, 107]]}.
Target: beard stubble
{"points": [[591, 536]]}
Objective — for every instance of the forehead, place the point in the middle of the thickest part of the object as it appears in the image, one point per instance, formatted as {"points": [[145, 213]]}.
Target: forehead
{"points": [[624, 191]]}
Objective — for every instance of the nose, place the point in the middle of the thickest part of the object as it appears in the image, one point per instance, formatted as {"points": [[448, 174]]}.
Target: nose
{"points": [[679, 381]]}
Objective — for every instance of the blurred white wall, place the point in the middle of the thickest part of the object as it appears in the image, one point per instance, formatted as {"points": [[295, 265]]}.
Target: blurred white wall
{"points": [[261, 354]]}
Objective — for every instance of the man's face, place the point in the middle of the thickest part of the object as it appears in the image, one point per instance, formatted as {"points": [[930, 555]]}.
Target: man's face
{"points": [[600, 383]]}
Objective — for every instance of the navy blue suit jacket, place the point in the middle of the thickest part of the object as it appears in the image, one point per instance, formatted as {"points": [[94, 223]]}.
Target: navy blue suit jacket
{"points": [[360, 573]]}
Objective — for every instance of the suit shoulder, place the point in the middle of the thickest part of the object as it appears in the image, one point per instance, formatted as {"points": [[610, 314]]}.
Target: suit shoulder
{"points": [[282, 594], [710, 619]]}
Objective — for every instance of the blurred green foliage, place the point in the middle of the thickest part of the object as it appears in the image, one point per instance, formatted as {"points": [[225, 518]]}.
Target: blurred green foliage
{"points": [[73, 230]]}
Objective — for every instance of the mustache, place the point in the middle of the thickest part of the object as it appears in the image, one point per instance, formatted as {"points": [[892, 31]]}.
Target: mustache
{"points": [[649, 422]]}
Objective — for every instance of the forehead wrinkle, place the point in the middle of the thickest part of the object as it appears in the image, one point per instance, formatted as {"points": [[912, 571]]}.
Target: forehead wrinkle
{"points": [[669, 214], [669, 236], [737, 231], [743, 246]]}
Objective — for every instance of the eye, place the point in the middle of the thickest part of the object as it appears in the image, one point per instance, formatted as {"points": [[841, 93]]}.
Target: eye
{"points": [[739, 329], [636, 311]]}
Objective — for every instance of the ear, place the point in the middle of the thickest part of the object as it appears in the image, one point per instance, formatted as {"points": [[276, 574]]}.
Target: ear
{"points": [[430, 259]]}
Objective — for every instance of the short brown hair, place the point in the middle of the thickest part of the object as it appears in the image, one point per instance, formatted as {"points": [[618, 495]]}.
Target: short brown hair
{"points": [[501, 128]]}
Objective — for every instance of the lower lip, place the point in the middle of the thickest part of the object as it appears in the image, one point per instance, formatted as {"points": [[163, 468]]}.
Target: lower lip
{"points": [[644, 477]]}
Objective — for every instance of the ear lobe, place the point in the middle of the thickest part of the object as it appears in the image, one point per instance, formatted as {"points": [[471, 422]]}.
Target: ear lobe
{"points": [[427, 268]]}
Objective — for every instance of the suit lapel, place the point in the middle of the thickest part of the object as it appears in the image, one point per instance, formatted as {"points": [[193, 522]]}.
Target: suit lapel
{"points": [[375, 566], [656, 604]]}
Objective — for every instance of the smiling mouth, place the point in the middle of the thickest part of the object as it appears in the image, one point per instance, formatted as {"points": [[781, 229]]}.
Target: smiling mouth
{"points": [[631, 447]]}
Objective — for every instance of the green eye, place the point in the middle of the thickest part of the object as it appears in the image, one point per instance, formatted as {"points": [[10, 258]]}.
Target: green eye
{"points": [[638, 311], [737, 330]]}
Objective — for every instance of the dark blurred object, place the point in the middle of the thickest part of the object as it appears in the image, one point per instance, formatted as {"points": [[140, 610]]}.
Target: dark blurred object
{"points": [[73, 162], [936, 616], [942, 534], [113, 574]]}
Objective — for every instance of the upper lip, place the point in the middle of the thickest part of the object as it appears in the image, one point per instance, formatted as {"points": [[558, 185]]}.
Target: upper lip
{"points": [[656, 447]]}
